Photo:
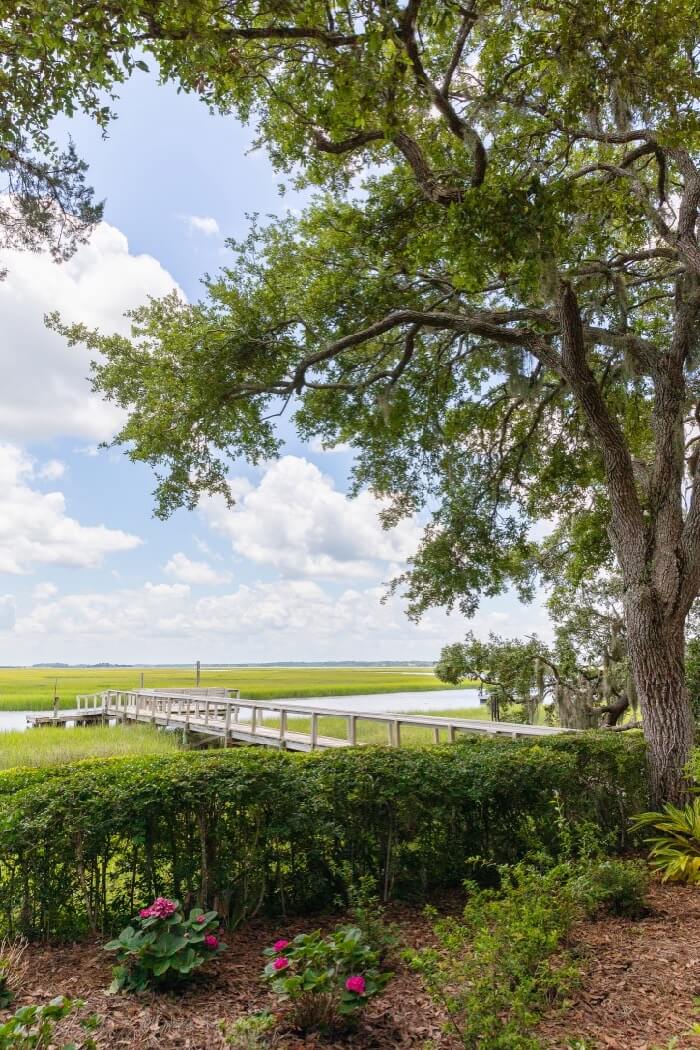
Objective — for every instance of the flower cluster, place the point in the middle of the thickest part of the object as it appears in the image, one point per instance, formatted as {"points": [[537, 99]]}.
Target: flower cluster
{"points": [[162, 908], [163, 946], [324, 979]]}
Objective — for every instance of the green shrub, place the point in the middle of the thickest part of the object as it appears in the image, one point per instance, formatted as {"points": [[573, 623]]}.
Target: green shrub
{"points": [[497, 967], [608, 885], [249, 828], [675, 850], [33, 1027], [253, 1032], [163, 947], [326, 981]]}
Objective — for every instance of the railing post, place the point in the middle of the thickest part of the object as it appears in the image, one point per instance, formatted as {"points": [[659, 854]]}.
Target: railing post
{"points": [[283, 727], [314, 730], [206, 711], [453, 734], [397, 733], [227, 725], [352, 730], [436, 734], [169, 711], [253, 719]]}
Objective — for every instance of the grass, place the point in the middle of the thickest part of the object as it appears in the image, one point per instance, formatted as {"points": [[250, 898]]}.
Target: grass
{"points": [[377, 733], [49, 745], [32, 688]]}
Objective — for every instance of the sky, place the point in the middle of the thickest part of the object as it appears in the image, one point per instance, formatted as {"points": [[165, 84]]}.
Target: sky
{"points": [[297, 570]]}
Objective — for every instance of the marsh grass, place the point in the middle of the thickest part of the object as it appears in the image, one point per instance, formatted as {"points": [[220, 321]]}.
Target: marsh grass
{"points": [[369, 732], [49, 745], [32, 688]]}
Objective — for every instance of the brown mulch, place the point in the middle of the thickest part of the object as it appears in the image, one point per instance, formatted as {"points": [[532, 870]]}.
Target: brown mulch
{"points": [[402, 1018], [637, 990], [639, 978]]}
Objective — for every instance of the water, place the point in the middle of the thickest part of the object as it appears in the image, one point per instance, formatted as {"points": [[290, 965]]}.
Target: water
{"points": [[425, 702]]}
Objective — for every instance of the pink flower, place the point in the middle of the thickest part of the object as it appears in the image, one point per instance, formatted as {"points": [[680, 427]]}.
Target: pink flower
{"points": [[211, 941], [356, 984], [145, 913], [281, 963], [201, 918], [279, 946], [162, 908]]}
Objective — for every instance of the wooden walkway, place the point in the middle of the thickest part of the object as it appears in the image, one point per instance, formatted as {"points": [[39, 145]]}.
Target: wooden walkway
{"points": [[222, 716]]}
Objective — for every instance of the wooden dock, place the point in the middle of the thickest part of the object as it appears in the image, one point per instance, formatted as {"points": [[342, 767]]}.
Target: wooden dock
{"points": [[209, 716]]}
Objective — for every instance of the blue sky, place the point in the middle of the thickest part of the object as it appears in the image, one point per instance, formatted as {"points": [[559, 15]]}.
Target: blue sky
{"points": [[296, 572]]}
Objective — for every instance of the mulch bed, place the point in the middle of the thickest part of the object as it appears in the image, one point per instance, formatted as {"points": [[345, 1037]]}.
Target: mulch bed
{"points": [[640, 979], [402, 1018]]}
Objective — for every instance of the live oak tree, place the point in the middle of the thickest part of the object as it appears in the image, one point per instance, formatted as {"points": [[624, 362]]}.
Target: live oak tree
{"points": [[52, 61], [493, 294]]}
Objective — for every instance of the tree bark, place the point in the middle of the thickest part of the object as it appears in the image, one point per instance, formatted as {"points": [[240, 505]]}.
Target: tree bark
{"points": [[657, 657]]}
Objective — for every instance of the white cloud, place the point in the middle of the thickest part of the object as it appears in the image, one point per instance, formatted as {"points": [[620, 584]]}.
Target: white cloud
{"points": [[43, 591], [52, 470], [267, 616], [202, 224], [49, 395], [184, 569], [36, 530], [8, 612], [316, 445], [297, 522]]}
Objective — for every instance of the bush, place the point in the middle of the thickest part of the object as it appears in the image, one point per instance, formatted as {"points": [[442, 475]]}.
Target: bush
{"points": [[254, 1032], [33, 1027], [608, 885], [163, 947], [675, 850], [246, 829], [327, 981], [494, 970]]}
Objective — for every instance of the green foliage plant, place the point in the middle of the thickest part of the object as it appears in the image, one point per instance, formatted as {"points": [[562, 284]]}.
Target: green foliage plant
{"points": [[252, 1032], [368, 914], [34, 1027], [162, 947], [326, 981], [675, 846], [498, 966]]}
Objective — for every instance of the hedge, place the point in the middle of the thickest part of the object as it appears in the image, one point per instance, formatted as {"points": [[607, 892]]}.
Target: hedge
{"points": [[247, 830]]}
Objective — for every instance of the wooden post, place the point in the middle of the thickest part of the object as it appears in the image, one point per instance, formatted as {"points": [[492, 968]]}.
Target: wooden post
{"points": [[169, 711], [206, 711], [389, 734], [253, 719], [314, 730], [397, 733], [352, 730], [453, 734], [142, 679], [436, 734], [198, 673], [227, 725], [283, 727]]}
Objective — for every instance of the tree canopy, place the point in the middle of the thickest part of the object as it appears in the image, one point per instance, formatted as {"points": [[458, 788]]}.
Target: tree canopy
{"points": [[493, 296], [55, 58]]}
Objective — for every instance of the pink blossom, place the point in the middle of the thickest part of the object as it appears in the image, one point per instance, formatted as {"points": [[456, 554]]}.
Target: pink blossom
{"points": [[356, 984], [162, 908], [211, 941], [145, 913], [201, 918], [281, 963], [279, 946]]}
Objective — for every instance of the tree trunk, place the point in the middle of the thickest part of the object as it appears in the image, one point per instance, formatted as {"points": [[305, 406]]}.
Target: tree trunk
{"points": [[657, 652]]}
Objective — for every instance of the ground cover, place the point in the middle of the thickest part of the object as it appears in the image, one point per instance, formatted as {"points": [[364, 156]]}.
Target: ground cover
{"points": [[639, 981], [50, 745], [32, 688]]}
